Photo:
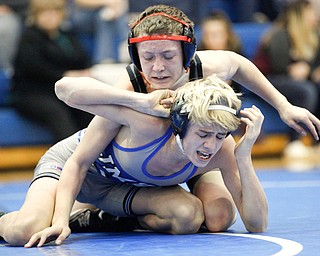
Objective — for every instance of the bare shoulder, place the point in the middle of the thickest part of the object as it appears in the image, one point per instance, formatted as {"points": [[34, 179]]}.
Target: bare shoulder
{"points": [[218, 62], [149, 127], [123, 81], [97, 136]]}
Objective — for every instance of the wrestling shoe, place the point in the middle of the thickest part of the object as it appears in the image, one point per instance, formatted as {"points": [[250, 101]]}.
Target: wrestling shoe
{"points": [[87, 221]]}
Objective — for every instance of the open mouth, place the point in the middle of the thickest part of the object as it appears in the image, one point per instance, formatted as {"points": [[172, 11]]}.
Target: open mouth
{"points": [[160, 78], [203, 155]]}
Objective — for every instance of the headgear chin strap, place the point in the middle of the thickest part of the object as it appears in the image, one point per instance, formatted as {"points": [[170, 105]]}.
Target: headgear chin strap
{"points": [[188, 40], [179, 142]]}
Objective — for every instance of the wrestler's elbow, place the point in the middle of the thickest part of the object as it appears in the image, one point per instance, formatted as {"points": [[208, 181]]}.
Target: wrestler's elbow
{"points": [[67, 92], [61, 90]]}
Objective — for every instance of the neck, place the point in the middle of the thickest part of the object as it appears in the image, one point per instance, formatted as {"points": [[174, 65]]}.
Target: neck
{"points": [[178, 156], [181, 81]]}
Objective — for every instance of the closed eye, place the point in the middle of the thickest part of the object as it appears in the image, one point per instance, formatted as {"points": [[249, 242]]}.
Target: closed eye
{"points": [[221, 136], [168, 57], [147, 58]]}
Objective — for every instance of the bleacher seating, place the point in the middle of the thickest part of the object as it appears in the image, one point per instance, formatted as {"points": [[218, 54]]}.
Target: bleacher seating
{"points": [[15, 130], [21, 142], [250, 35]]}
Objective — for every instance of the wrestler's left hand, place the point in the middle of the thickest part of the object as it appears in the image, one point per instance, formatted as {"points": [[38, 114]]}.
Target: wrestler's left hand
{"points": [[57, 233], [253, 118], [160, 102], [294, 116]]}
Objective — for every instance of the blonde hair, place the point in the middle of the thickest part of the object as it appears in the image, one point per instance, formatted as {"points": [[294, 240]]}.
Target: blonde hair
{"points": [[158, 24], [38, 6], [304, 39], [198, 95]]}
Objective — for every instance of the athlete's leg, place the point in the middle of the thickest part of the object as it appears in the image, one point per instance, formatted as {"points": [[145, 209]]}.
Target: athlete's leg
{"points": [[168, 209], [219, 208], [164, 209], [17, 227]]}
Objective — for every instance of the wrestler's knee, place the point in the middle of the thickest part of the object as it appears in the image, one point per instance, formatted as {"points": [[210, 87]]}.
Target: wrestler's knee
{"points": [[188, 217], [20, 231], [220, 215]]}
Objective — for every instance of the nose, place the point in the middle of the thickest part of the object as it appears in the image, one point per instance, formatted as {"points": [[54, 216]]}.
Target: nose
{"points": [[158, 64], [210, 143]]}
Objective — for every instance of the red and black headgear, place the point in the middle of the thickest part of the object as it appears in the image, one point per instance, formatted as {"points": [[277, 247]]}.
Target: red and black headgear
{"points": [[188, 40]]}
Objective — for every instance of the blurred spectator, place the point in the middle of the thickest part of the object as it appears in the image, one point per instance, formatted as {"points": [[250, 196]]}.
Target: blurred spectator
{"points": [[272, 8], [46, 54], [12, 14], [217, 34], [106, 22], [316, 4], [289, 55]]}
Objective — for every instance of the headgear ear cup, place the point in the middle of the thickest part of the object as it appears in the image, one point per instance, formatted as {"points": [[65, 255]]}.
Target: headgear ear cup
{"points": [[188, 43], [188, 48], [179, 121], [133, 52]]}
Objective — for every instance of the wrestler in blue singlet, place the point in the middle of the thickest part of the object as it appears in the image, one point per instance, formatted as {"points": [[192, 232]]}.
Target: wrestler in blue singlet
{"points": [[129, 164]]}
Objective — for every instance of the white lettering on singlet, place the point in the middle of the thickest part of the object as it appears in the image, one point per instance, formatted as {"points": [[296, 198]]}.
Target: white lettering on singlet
{"points": [[113, 171]]}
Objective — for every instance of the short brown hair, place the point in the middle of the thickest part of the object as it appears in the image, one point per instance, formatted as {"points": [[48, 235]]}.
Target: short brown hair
{"points": [[144, 25]]}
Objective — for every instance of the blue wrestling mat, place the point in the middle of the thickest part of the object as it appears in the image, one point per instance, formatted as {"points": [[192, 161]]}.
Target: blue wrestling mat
{"points": [[293, 229]]}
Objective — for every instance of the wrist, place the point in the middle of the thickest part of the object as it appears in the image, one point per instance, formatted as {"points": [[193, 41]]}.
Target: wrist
{"points": [[244, 163], [139, 102], [281, 104]]}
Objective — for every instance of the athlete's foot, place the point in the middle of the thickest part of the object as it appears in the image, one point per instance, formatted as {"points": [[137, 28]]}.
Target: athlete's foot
{"points": [[86, 220]]}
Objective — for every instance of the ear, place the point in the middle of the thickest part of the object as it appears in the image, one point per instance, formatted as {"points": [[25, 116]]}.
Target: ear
{"points": [[179, 121]]}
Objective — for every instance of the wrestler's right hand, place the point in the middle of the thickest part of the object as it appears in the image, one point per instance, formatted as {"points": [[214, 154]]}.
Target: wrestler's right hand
{"points": [[159, 102], [57, 232]]}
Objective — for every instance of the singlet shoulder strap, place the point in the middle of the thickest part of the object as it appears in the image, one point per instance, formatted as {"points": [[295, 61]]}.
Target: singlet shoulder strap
{"points": [[136, 79], [195, 69]]}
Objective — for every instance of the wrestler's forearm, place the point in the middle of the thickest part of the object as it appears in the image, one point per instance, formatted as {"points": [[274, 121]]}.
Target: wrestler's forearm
{"points": [[254, 206], [91, 95], [250, 77], [68, 187], [88, 91]]}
